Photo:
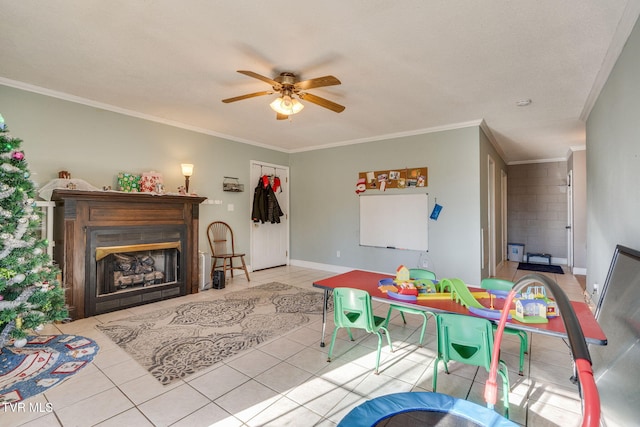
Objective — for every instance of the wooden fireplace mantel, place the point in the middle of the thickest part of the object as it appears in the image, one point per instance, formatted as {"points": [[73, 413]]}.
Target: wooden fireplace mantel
{"points": [[76, 212]]}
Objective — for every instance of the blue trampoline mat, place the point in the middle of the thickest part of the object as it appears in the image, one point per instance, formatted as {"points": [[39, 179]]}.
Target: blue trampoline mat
{"points": [[422, 409]]}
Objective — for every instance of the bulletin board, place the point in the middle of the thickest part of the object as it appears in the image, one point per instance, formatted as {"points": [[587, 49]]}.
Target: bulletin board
{"points": [[395, 178], [395, 221]]}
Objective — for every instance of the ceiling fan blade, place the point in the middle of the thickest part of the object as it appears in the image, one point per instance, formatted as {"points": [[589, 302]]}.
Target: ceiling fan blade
{"points": [[269, 80], [281, 116], [322, 102], [317, 82], [249, 95]]}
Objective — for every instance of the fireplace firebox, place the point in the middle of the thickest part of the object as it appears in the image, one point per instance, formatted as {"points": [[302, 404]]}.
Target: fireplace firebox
{"points": [[119, 250], [129, 266]]}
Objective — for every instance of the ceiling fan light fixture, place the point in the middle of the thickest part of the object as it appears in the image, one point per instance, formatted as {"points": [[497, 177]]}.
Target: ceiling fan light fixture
{"points": [[286, 105]]}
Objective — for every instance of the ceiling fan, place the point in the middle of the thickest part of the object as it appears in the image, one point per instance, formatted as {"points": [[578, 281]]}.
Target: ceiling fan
{"points": [[288, 86]]}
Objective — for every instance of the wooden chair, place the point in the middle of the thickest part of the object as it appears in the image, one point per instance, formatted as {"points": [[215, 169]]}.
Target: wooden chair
{"points": [[222, 246]]}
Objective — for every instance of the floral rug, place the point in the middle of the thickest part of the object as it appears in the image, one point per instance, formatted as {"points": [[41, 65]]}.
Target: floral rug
{"points": [[175, 342], [44, 362]]}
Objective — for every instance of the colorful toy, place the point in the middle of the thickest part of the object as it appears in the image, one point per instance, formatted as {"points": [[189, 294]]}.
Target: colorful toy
{"points": [[531, 310], [386, 285], [534, 306], [402, 274]]}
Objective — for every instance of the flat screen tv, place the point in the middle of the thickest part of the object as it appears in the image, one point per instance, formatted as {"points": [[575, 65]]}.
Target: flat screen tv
{"points": [[616, 366]]}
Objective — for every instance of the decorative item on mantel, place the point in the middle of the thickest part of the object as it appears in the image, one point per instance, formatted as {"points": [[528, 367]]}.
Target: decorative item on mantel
{"points": [[129, 182], [64, 183], [151, 182], [187, 171]]}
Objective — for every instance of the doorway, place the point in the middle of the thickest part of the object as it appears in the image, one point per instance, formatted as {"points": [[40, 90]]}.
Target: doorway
{"points": [[569, 226], [491, 216], [503, 210], [270, 241]]}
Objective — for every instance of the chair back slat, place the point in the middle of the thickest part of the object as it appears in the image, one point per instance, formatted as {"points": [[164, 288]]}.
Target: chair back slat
{"points": [[493, 283], [220, 237]]}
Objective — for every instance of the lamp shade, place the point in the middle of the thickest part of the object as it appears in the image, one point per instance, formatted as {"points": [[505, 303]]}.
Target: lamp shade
{"points": [[286, 105], [187, 169]]}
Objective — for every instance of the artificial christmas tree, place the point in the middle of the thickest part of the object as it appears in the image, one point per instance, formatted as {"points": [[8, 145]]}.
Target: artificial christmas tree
{"points": [[30, 294]]}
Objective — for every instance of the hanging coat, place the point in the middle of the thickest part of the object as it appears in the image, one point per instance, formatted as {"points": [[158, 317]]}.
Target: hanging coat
{"points": [[265, 204]]}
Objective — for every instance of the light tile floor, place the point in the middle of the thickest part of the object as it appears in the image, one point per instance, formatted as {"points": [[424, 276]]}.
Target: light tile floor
{"points": [[288, 382]]}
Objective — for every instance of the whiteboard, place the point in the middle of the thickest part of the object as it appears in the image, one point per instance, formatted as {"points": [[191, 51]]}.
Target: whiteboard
{"points": [[397, 221]]}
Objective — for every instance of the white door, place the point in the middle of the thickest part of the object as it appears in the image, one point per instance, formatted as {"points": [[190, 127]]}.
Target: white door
{"points": [[491, 215], [503, 193], [270, 242]]}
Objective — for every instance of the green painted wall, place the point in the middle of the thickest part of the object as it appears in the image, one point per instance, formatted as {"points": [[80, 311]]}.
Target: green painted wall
{"points": [[94, 145], [325, 208], [613, 164]]}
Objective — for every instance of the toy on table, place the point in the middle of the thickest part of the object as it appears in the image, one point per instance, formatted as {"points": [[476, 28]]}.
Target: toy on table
{"points": [[397, 291], [461, 294], [389, 286], [403, 287], [533, 306], [404, 283]]}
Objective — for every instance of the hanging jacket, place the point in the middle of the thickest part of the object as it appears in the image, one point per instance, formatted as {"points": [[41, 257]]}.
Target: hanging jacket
{"points": [[265, 204]]}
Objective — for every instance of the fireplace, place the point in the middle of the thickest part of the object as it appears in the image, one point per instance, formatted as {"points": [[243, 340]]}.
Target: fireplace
{"points": [[120, 250], [129, 266]]}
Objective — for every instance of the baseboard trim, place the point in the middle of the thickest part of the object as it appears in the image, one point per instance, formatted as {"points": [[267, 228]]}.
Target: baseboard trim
{"points": [[318, 266], [339, 269], [579, 271], [558, 261]]}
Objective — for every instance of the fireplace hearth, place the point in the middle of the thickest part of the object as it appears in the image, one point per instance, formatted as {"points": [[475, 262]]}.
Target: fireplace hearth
{"points": [[120, 250]]}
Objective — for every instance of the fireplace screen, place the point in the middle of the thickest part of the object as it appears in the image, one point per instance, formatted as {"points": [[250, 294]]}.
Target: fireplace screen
{"points": [[132, 267]]}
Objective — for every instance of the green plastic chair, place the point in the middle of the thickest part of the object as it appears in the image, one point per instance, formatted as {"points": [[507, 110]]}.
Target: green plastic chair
{"points": [[468, 340], [352, 309], [493, 283], [415, 274]]}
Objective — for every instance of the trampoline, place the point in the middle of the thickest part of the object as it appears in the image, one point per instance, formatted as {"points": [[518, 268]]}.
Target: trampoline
{"points": [[436, 409], [422, 409]]}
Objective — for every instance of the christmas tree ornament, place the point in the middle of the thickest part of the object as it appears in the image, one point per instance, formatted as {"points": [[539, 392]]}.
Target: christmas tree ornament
{"points": [[19, 343]]}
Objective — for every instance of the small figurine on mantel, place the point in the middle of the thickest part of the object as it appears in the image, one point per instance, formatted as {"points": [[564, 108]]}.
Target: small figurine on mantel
{"points": [[182, 190]]}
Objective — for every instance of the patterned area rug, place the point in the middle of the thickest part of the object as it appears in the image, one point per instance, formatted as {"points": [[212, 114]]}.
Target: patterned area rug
{"points": [[44, 362], [175, 342]]}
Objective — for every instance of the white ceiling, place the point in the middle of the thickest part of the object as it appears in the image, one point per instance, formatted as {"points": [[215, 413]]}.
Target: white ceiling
{"points": [[406, 67]]}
